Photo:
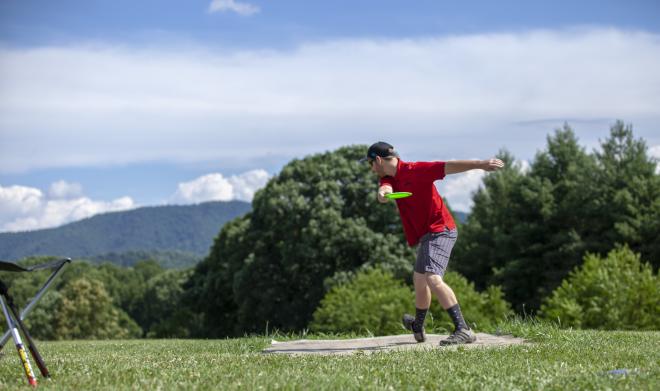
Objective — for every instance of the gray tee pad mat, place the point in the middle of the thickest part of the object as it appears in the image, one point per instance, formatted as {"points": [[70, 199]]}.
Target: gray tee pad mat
{"points": [[376, 344]]}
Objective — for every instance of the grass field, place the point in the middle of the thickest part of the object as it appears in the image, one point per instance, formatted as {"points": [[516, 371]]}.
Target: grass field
{"points": [[556, 360]]}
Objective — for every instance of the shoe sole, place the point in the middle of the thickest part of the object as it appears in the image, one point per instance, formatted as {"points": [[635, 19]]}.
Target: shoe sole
{"points": [[471, 340]]}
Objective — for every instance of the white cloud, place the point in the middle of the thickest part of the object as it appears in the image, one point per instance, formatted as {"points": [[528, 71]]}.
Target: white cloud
{"points": [[26, 208], [244, 9], [457, 189], [525, 166], [246, 184], [215, 187], [108, 105], [654, 152], [18, 201], [206, 188]]}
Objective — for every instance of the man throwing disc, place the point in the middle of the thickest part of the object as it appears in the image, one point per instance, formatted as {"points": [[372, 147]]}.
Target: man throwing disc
{"points": [[428, 224]]}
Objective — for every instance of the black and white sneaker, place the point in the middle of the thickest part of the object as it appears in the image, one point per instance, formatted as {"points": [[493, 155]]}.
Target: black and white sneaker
{"points": [[460, 336], [409, 324]]}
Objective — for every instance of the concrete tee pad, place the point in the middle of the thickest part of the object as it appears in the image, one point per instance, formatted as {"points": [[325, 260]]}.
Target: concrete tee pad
{"points": [[377, 344]]}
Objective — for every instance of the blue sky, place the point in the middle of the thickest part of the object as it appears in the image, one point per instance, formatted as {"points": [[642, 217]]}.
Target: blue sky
{"points": [[286, 23], [108, 105]]}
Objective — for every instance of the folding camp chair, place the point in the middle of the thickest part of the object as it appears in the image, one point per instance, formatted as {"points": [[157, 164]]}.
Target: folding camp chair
{"points": [[15, 320]]}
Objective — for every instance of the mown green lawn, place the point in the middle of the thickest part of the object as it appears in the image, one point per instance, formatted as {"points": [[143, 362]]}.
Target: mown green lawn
{"points": [[556, 360]]}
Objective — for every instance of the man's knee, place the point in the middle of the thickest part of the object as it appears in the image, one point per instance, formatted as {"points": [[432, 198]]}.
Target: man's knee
{"points": [[434, 279]]}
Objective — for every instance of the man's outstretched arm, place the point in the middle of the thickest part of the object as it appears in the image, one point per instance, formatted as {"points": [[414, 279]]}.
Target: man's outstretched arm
{"points": [[456, 166]]}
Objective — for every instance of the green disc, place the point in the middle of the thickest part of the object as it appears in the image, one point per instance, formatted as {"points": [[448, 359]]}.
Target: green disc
{"points": [[397, 195]]}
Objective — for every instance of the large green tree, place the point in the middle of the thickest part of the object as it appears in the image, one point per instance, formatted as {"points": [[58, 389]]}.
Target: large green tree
{"points": [[125, 285], [312, 223], [85, 311], [161, 314]]}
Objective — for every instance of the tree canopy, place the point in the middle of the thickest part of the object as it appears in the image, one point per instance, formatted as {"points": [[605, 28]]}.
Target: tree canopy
{"points": [[317, 225]]}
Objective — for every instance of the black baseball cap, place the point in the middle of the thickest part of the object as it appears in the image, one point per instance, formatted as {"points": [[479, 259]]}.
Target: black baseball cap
{"points": [[381, 149]]}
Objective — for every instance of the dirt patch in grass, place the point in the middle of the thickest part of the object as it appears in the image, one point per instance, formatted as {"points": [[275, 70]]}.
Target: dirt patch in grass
{"points": [[377, 344]]}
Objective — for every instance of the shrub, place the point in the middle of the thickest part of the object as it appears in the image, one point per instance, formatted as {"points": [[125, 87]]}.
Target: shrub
{"points": [[371, 302], [617, 292], [481, 310], [374, 301]]}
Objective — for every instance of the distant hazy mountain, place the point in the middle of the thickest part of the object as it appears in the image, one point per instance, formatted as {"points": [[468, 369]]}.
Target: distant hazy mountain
{"points": [[176, 235]]}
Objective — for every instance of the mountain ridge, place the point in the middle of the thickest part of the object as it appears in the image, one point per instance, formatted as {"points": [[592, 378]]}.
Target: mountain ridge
{"points": [[177, 228]]}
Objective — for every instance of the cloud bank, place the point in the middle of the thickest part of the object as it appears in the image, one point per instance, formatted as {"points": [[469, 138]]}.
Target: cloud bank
{"points": [[26, 208], [215, 187], [466, 95]]}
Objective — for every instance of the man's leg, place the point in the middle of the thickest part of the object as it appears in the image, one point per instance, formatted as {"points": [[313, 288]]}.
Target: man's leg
{"points": [[422, 291], [422, 303], [447, 298], [442, 291]]}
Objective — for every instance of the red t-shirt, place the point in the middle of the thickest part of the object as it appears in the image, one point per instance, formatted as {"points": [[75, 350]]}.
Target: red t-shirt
{"points": [[424, 211]]}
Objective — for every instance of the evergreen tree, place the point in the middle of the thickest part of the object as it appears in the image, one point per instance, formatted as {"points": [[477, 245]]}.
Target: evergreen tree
{"points": [[549, 224], [626, 205]]}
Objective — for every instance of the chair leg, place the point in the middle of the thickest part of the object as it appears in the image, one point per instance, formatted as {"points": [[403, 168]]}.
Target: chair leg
{"points": [[31, 345], [19, 345], [33, 302]]}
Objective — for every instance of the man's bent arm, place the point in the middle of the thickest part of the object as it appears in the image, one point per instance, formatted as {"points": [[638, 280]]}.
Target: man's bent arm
{"points": [[456, 166]]}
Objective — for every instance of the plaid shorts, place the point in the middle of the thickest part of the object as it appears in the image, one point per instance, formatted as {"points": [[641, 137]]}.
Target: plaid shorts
{"points": [[434, 250]]}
